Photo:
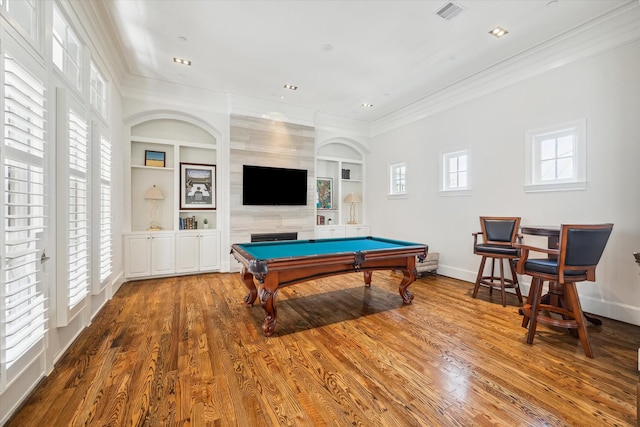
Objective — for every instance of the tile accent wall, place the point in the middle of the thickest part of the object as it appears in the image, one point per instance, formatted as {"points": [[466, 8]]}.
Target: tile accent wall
{"points": [[262, 142]]}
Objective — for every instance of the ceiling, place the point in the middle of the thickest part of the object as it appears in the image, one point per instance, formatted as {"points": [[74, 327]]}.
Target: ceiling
{"points": [[340, 54]]}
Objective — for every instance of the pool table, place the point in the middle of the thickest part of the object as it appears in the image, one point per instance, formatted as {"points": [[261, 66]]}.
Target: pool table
{"points": [[282, 263]]}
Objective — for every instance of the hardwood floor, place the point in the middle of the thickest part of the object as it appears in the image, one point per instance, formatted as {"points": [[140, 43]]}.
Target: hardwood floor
{"points": [[187, 352]]}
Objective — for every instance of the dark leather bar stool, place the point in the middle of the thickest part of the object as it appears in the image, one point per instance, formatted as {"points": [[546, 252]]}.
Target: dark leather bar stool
{"points": [[499, 234], [580, 249]]}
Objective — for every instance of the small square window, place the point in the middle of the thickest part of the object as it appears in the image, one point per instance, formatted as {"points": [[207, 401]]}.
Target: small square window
{"points": [[555, 157], [454, 168], [397, 179]]}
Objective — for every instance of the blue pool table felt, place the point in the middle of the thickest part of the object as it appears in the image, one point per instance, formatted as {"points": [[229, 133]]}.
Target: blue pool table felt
{"points": [[299, 248]]}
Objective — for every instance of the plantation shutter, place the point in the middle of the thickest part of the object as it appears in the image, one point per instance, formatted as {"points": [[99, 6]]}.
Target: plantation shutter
{"points": [[105, 209], [78, 210], [24, 306]]}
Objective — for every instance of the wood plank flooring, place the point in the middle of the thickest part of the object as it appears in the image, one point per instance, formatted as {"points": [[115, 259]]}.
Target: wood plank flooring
{"points": [[187, 352]]}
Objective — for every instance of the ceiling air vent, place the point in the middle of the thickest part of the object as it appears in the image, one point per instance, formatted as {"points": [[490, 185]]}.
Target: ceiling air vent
{"points": [[449, 11]]}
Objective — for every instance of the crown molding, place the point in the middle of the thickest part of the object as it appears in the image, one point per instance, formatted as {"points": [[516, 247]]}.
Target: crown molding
{"points": [[612, 30]]}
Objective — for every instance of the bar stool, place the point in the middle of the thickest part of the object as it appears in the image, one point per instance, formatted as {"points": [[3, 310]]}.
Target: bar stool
{"points": [[581, 247], [499, 234]]}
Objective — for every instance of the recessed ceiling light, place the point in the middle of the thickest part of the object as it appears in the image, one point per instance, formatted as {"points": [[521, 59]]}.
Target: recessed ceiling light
{"points": [[289, 86], [498, 32], [367, 105], [181, 61]]}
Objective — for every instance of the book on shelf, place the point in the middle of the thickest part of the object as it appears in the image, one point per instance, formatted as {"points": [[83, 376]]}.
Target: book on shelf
{"points": [[188, 223]]}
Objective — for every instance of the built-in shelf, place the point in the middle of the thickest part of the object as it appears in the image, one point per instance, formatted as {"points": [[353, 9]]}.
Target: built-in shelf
{"points": [[171, 250], [344, 166], [151, 168], [181, 142]]}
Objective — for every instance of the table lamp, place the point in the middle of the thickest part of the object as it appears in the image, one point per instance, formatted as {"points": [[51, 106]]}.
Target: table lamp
{"points": [[154, 194], [352, 199]]}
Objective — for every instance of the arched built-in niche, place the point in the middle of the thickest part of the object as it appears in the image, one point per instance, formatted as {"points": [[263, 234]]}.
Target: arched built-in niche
{"points": [[166, 235], [181, 139], [340, 169]]}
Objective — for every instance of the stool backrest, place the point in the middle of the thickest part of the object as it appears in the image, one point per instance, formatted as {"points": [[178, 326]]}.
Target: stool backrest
{"points": [[581, 246], [499, 230], [584, 243]]}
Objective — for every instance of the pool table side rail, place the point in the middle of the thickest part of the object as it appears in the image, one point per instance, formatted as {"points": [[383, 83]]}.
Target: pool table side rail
{"points": [[293, 270], [248, 259]]}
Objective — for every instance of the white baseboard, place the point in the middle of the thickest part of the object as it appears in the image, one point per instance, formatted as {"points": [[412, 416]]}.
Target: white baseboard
{"points": [[611, 310]]}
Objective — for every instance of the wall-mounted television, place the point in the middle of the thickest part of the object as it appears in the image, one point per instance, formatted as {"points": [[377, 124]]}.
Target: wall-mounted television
{"points": [[267, 186]]}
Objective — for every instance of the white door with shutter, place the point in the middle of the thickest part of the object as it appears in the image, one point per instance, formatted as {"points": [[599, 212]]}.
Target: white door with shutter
{"points": [[24, 159]]}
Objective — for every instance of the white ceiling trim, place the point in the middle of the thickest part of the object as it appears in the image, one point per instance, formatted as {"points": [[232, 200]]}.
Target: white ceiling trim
{"points": [[615, 29]]}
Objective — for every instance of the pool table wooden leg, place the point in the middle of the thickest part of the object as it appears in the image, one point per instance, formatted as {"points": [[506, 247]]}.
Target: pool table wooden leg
{"points": [[367, 278], [247, 278], [268, 302], [409, 276]]}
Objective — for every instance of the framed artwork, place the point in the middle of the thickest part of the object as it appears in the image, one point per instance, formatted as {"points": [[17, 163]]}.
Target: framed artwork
{"points": [[154, 158], [197, 186], [324, 195]]}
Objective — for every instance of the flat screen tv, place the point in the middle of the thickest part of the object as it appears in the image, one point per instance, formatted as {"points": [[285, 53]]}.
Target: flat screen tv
{"points": [[273, 186]]}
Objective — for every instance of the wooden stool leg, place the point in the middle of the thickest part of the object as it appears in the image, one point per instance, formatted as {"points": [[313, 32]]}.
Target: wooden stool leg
{"points": [[514, 275], [535, 308], [529, 303], [493, 274], [573, 301], [503, 291], [479, 277]]}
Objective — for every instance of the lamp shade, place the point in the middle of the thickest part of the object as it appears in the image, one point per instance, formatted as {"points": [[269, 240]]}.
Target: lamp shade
{"points": [[352, 198], [153, 193]]}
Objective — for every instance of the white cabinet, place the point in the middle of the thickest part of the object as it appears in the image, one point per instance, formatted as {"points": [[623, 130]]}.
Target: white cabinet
{"points": [[197, 251], [149, 254], [357, 230], [332, 231], [329, 231]]}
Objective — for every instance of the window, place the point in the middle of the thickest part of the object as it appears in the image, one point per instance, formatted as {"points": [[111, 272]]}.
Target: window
{"points": [[67, 51], [25, 14], [73, 199], [105, 210], [455, 171], [556, 157], [78, 233], [23, 301], [398, 179], [98, 92]]}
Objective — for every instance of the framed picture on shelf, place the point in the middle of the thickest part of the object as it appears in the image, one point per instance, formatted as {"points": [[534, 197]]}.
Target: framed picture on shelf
{"points": [[154, 158], [197, 186], [324, 195]]}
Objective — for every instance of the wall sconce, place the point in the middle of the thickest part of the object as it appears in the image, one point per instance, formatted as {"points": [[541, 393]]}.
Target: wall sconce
{"points": [[154, 194], [352, 199]]}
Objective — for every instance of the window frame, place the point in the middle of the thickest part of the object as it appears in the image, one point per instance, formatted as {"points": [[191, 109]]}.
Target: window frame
{"points": [[393, 177], [445, 171], [533, 161], [98, 98], [32, 35], [76, 82]]}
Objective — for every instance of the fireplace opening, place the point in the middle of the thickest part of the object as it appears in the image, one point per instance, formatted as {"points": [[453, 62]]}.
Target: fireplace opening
{"points": [[269, 237]]}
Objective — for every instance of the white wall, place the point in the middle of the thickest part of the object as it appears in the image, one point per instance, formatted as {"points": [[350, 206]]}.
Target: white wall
{"points": [[603, 89]]}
